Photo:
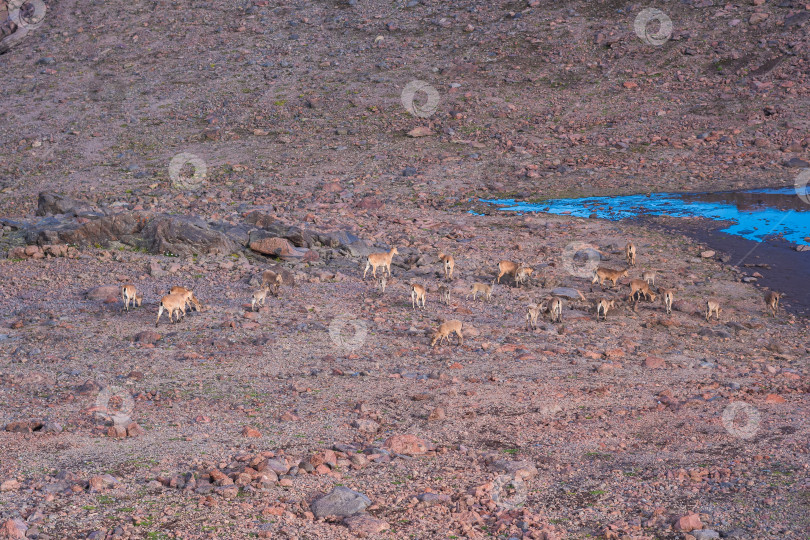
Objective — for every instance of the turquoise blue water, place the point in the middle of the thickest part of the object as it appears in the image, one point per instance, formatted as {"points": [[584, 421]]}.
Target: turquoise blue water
{"points": [[753, 214]]}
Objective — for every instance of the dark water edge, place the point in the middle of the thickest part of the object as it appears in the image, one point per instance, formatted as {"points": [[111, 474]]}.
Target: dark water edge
{"points": [[787, 270]]}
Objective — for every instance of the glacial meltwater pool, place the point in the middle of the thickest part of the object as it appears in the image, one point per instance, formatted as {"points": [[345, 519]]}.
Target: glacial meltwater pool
{"points": [[755, 215]]}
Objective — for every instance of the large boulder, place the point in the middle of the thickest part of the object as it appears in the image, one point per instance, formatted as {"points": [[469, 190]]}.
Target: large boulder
{"points": [[276, 246], [568, 292], [11, 33], [104, 292], [124, 227], [183, 235], [340, 502]]}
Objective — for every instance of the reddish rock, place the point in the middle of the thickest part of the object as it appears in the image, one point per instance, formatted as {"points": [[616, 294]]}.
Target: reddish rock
{"points": [[281, 247], [10, 485], [689, 522], [421, 131], [250, 432], [437, 414], [13, 529], [366, 425], [774, 398], [104, 292], [273, 246], [758, 17], [364, 524], [24, 426], [96, 483], [147, 336], [35, 252], [369, 203], [332, 187], [409, 445], [134, 430], [16, 253], [652, 362], [116, 432], [325, 457]]}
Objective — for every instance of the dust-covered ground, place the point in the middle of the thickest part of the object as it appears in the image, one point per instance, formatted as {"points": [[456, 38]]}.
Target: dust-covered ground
{"points": [[235, 424]]}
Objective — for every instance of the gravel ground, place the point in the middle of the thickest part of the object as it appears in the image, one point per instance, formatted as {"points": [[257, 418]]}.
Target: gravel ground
{"points": [[232, 423]]}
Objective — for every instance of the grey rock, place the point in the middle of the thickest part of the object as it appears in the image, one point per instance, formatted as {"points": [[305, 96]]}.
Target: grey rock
{"points": [[340, 502], [587, 254], [798, 19], [568, 292], [278, 466], [796, 163], [155, 270], [433, 498], [53, 203], [51, 427], [705, 534], [56, 487], [346, 448], [182, 235]]}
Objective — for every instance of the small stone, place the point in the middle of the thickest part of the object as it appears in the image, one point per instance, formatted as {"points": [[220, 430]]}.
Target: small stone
{"points": [[134, 430], [420, 131], [689, 522], [147, 336], [366, 425], [250, 432], [325, 457], [652, 362], [10, 485], [708, 254], [364, 524], [758, 17], [437, 414]]}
